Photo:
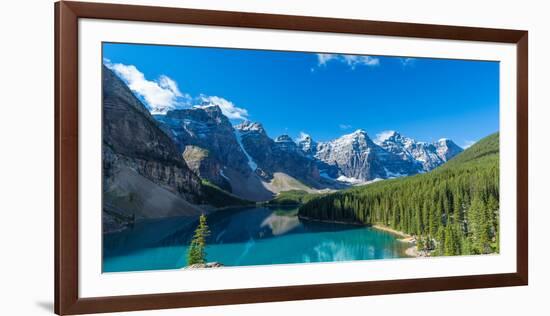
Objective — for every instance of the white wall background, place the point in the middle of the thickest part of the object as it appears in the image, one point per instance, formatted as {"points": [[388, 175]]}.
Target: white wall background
{"points": [[26, 168]]}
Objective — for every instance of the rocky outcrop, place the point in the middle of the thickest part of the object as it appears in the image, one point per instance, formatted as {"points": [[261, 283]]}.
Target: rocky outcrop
{"points": [[138, 157], [208, 265], [426, 155], [446, 149], [281, 155], [307, 145], [207, 167], [206, 127], [212, 148], [357, 157]]}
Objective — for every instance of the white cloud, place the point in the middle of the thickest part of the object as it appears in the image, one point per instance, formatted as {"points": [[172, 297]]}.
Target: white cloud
{"points": [[167, 83], [353, 60], [159, 95], [407, 61], [468, 143], [350, 60], [163, 94], [324, 58], [228, 108], [345, 126]]}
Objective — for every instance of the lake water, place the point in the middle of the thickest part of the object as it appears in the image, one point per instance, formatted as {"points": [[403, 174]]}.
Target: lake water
{"points": [[249, 236]]}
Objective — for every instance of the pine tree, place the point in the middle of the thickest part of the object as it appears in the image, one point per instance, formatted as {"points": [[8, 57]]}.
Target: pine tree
{"points": [[493, 213], [449, 246], [197, 251], [420, 244], [440, 246], [479, 225], [466, 246]]}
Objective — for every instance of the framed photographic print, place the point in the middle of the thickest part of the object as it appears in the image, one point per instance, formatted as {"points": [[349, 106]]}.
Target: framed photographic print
{"points": [[211, 157]]}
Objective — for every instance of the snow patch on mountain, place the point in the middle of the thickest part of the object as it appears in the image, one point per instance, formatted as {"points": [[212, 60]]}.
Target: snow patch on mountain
{"points": [[369, 182], [391, 175], [251, 163], [223, 175], [350, 180]]}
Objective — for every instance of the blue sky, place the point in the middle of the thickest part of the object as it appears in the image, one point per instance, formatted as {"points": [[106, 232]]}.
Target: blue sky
{"points": [[324, 95]]}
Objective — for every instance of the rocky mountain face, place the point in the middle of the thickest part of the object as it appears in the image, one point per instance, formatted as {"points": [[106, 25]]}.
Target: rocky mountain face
{"points": [[426, 155], [356, 158], [144, 175], [279, 155], [447, 149], [207, 140], [212, 148], [307, 145], [242, 159]]}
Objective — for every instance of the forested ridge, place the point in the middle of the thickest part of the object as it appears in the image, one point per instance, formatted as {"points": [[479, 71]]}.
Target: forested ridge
{"points": [[293, 197], [452, 210]]}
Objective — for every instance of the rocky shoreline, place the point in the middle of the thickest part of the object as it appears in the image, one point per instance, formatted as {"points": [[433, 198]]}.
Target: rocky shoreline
{"points": [[412, 250], [207, 265]]}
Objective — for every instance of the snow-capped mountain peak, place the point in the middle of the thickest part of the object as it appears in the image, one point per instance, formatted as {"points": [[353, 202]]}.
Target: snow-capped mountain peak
{"points": [[285, 142], [306, 143], [359, 137], [359, 132], [248, 126], [284, 139], [394, 138], [428, 155], [386, 135], [447, 149], [303, 137], [393, 154], [351, 154]]}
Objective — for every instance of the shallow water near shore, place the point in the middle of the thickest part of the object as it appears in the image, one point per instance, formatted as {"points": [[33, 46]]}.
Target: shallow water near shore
{"points": [[247, 236]]}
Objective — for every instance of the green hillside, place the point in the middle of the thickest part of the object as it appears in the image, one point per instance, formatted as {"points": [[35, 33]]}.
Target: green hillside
{"points": [[293, 197], [453, 210], [486, 148], [218, 197]]}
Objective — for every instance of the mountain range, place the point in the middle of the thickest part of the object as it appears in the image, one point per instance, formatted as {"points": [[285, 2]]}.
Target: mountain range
{"points": [[244, 160], [190, 159]]}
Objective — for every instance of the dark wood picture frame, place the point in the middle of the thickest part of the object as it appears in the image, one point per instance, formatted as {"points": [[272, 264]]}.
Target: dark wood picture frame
{"points": [[67, 14]]}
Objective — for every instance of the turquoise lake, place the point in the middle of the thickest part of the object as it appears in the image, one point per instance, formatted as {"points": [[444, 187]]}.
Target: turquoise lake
{"points": [[248, 236]]}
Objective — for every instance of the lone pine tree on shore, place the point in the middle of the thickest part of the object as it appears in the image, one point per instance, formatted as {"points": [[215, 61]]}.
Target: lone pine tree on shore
{"points": [[197, 252]]}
